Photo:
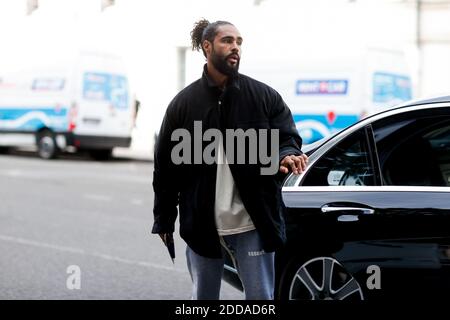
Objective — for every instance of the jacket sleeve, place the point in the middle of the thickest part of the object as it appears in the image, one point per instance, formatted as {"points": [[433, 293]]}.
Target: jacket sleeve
{"points": [[281, 119], [165, 189]]}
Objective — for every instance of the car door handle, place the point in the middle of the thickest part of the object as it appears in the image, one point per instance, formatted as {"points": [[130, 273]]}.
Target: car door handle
{"points": [[327, 209]]}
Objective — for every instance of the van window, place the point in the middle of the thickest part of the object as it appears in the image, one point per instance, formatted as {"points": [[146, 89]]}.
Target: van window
{"points": [[48, 84], [391, 88], [106, 87]]}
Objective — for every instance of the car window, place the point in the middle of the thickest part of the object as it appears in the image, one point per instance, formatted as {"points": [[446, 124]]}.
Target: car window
{"points": [[414, 151], [346, 164]]}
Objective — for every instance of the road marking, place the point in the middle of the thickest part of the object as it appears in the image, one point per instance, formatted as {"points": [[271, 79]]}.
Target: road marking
{"points": [[39, 244]]}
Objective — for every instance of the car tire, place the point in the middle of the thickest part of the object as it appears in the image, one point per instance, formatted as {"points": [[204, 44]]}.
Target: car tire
{"points": [[4, 150], [46, 144], [101, 154], [319, 278]]}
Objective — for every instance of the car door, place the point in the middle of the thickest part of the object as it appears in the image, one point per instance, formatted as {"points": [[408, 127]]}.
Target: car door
{"points": [[413, 150], [374, 197]]}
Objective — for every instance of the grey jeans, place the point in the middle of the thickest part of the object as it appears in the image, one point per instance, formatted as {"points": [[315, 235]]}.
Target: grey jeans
{"points": [[255, 268]]}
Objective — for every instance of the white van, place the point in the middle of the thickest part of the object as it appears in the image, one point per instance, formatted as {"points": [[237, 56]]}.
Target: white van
{"points": [[330, 92], [81, 103]]}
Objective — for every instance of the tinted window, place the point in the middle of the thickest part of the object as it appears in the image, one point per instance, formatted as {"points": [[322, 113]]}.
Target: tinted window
{"points": [[414, 150], [346, 164]]}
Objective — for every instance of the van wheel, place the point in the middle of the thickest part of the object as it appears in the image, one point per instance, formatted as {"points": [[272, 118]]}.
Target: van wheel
{"points": [[46, 143], [101, 154]]}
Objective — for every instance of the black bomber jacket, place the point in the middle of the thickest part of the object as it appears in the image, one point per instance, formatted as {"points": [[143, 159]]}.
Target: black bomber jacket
{"points": [[244, 104]]}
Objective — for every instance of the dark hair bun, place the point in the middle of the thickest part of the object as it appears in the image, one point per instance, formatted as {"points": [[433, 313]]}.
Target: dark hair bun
{"points": [[197, 34]]}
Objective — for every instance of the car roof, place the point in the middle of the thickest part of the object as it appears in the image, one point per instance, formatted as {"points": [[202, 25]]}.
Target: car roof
{"points": [[417, 102], [408, 104]]}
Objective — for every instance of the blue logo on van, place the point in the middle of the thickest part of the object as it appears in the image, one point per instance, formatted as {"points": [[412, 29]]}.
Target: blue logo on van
{"points": [[33, 118], [321, 87], [313, 127]]}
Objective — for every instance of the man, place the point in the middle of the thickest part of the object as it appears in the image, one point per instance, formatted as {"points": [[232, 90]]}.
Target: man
{"points": [[232, 206]]}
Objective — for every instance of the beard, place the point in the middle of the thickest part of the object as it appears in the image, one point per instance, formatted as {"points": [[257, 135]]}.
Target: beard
{"points": [[221, 64]]}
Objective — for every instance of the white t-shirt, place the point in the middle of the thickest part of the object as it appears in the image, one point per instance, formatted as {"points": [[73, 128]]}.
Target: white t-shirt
{"points": [[230, 213]]}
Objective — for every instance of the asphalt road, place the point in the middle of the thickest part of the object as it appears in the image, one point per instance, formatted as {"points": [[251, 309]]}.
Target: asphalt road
{"points": [[75, 223]]}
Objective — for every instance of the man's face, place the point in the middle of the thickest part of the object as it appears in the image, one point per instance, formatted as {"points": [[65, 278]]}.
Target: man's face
{"points": [[226, 50]]}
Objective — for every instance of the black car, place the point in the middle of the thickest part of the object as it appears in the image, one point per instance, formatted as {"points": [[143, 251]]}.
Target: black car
{"points": [[370, 217]]}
